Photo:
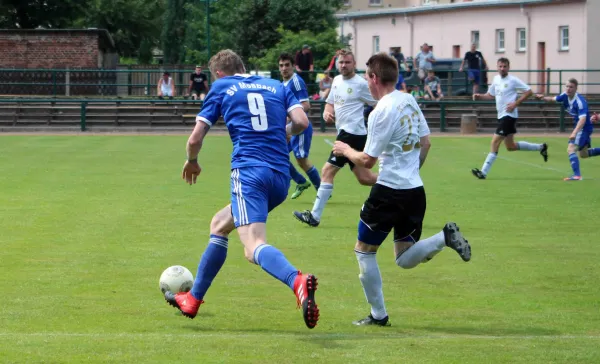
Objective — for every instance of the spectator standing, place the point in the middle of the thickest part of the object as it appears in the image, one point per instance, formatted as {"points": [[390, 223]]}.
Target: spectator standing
{"points": [[304, 64], [475, 63], [424, 61]]}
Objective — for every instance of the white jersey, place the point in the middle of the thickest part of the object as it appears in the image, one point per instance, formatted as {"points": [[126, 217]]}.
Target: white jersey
{"points": [[348, 98], [165, 87], [396, 126], [506, 91]]}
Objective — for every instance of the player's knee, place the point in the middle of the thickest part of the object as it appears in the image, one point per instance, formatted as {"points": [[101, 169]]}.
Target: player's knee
{"points": [[327, 174], [583, 154], [403, 262], [511, 147], [304, 164]]}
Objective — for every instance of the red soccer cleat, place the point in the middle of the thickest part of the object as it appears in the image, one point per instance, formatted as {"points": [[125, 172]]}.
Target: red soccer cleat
{"points": [[305, 286], [185, 302]]}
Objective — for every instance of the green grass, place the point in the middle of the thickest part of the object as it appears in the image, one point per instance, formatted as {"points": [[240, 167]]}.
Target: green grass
{"points": [[88, 223]]}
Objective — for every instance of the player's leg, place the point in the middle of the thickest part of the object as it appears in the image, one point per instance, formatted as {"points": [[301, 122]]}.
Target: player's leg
{"points": [[296, 145], [580, 142], [330, 169], [374, 225], [513, 146], [258, 192], [491, 157], [210, 264], [586, 150], [302, 154], [409, 250]]}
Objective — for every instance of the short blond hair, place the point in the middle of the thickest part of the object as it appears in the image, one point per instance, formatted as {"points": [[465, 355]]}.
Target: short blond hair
{"points": [[226, 61], [346, 52]]}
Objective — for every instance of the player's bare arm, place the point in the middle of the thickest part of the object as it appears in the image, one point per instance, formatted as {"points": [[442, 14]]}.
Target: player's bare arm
{"points": [[360, 159], [305, 106], [578, 127], [329, 113], [299, 121], [425, 146], [513, 105], [483, 97], [545, 98], [191, 168]]}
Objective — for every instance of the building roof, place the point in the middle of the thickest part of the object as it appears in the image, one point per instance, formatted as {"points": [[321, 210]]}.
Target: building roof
{"points": [[447, 7], [106, 41]]}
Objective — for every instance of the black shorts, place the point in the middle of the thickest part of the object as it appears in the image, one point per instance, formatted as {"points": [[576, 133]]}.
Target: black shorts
{"points": [[357, 142], [507, 125], [387, 209]]}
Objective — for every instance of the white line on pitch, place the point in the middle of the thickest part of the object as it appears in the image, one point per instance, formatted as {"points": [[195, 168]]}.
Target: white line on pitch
{"points": [[329, 142], [296, 335]]}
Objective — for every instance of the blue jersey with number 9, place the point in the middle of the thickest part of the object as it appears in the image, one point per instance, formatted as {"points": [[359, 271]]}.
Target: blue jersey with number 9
{"points": [[255, 111]]}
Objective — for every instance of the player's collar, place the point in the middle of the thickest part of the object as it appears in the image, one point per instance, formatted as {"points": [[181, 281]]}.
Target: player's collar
{"points": [[243, 74]]}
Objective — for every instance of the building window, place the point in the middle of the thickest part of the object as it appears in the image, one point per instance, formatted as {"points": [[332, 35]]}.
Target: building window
{"points": [[563, 34], [375, 44], [375, 3], [521, 39], [499, 40], [475, 38]]}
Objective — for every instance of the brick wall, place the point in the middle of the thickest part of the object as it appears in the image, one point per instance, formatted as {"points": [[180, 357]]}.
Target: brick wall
{"points": [[49, 50]]}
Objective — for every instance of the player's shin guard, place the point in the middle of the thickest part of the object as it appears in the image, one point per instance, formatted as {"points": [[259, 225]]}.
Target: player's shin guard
{"points": [[275, 263], [314, 177], [489, 161], [594, 152], [421, 251], [323, 195], [370, 278], [574, 164], [211, 262]]}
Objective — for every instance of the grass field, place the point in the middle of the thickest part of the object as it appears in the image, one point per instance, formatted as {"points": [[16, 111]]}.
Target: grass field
{"points": [[88, 223]]}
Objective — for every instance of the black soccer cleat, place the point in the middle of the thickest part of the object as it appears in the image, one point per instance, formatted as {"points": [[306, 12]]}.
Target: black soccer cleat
{"points": [[477, 173], [544, 152], [307, 218], [370, 321], [456, 240]]}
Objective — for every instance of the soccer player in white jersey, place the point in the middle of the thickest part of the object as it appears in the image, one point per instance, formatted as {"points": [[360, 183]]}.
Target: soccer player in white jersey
{"points": [[345, 104], [399, 137], [505, 90]]}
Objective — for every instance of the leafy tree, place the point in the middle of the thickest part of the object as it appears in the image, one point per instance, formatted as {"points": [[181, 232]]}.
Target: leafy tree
{"points": [[173, 31], [323, 46], [145, 52], [31, 14]]}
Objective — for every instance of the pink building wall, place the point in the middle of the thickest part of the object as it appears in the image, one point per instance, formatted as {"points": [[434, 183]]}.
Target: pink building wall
{"points": [[445, 29]]}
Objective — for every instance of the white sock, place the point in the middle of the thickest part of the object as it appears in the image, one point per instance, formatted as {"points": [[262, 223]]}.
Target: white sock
{"points": [[529, 146], [323, 195], [421, 251], [487, 165], [370, 278]]}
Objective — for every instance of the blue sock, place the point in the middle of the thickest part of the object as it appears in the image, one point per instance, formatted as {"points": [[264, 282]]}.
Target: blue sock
{"points": [[210, 264], [274, 262], [594, 152], [314, 177], [574, 164], [296, 176]]}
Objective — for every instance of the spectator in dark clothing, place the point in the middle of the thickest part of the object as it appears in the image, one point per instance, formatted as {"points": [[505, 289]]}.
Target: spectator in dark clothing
{"points": [[304, 63], [475, 63]]}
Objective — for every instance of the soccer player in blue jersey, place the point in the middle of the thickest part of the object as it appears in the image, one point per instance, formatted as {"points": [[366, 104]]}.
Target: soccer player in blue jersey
{"points": [[299, 144], [254, 110], [580, 139]]}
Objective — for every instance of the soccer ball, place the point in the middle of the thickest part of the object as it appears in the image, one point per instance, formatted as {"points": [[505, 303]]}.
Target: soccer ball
{"points": [[176, 279]]}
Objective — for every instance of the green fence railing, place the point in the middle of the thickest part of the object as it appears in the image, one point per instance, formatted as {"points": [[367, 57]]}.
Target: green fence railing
{"points": [[444, 107], [143, 82]]}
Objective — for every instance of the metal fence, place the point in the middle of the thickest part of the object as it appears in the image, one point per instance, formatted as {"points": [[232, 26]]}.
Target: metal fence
{"points": [[140, 82], [443, 105]]}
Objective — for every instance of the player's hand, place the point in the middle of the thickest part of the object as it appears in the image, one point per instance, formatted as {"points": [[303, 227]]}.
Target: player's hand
{"points": [[339, 148], [328, 117], [191, 171], [510, 107], [595, 118]]}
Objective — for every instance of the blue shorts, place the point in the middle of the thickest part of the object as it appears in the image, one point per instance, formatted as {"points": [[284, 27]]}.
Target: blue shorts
{"points": [[255, 191], [583, 139], [473, 75], [300, 144]]}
